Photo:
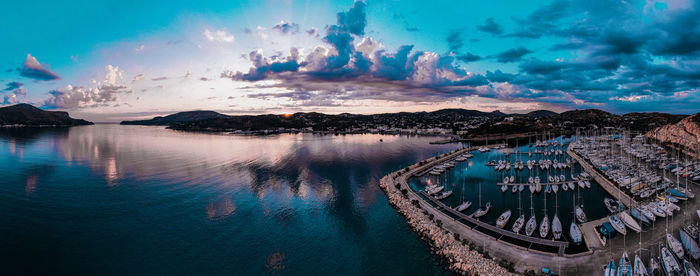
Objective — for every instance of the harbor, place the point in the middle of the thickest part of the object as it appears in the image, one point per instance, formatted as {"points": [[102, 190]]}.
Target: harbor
{"points": [[441, 187]]}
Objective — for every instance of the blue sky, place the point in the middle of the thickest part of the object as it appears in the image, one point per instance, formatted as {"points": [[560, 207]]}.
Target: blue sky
{"points": [[109, 61]]}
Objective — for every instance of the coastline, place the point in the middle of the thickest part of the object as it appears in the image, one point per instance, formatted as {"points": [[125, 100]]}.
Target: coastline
{"points": [[463, 256]]}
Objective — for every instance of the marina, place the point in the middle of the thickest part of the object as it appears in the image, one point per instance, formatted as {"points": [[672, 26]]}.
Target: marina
{"points": [[594, 231]]}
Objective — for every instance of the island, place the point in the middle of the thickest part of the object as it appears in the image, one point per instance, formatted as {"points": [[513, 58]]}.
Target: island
{"points": [[26, 115]]}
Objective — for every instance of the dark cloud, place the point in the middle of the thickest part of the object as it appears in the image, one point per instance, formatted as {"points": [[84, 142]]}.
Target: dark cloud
{"points": [[468, 57], [490, 26], [354, 20], [286, 27], [512, 55], [454, 40], [312, 32], [159, 78], [12, 85], [31, 68]]}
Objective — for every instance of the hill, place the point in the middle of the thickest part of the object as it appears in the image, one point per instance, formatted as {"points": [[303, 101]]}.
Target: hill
{"points": [[684, 134], [180, 117], [28, 115]]}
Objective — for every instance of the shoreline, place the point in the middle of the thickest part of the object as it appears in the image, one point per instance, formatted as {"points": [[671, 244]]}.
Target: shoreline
{"points": [[463, 256]]}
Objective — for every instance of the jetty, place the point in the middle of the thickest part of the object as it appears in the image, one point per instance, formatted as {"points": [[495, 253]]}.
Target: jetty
{"points": [[608, 186]]}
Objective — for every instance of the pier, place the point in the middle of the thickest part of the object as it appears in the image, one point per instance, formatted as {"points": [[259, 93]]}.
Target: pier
{"points": [[529, 239], [541, 183], [608, 186]]}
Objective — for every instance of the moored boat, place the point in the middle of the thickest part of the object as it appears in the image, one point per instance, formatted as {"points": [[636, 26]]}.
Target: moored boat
{"points": [[674, 245], [654, 267], [556, 227], [443, 195], [482, 211], [503, 219], [690, 244], [625, 268], [612, 205], [689, 269], [629, 222], [544, 227], [531, 226], [580, 215], [610, 269], [639, 268], [575, 233], [618, 225], [671, 266], [464, 206], [518, 225]]}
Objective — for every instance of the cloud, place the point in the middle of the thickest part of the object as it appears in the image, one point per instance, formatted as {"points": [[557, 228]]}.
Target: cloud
{"points": [[101, 94], [35, 70], [490, 26], [12, 85], [219, 36], [286, 27], [354, 20], [454, 40], [468, 57], [138, 77], [313, 32], [159, 78], [512, 55]]}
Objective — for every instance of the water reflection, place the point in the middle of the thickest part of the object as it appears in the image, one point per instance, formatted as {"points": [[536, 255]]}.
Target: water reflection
{"points": [[229, 199]]}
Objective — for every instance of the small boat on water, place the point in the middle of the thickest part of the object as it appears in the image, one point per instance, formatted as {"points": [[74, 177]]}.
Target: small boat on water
{"points": [[548, 189], [690, 244], [556, 227], [431, 190], [482, 211], [532, 188], [503, 219], [674, 245], [571, 186], [654, 267], [504, 188], [676, 193], [518, 225], [639, 268], [625, 268], [692, 230], [512, 179], [580, 215], [588, 183], [647, 213], [671, 266], [629, 222], [612, 205], [515, 189], [656, 210], [618, 225], [464, 206], [564, 187], [531, 226], [521, 188], [538, 187], [443, 195], [544, 227], [689, 269], [575, 233], [610, 269], [555, 188], [638, 216]]}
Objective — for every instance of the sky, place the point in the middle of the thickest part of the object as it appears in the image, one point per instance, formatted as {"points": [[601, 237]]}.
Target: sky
{"points": [[108, 61]]}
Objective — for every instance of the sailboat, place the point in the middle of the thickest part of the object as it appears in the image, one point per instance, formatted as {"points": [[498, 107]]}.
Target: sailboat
{"points": [[618, 225], [580, 215], [575, 233], [612, 205], [670, 264], [625, 268], [647, 213], [518, 225], [654, 267], [503, 219], [515, 189], [674, 245], [639, 268], [544, 225], [531, 225], [610, 269], [482, 211], [690, 269], [690, 244], [629, 222], [555, 188], [556, 227], [504, 187]]}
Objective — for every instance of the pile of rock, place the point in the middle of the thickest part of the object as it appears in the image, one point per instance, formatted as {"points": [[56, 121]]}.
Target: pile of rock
{"points": [[462, 259]]}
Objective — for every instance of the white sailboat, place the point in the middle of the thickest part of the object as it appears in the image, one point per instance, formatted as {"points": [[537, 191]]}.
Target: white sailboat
{"points": [[629, 221], [503, 219], [518, 225], [617, 224], [675, 246]]}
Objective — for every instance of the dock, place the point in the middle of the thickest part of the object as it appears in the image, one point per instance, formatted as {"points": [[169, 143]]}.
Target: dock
{"points": [[529, 239], [608, 186], [541, 183], [590, 235]]}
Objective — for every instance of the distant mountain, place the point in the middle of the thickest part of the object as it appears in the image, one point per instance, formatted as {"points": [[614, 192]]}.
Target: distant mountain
{"points": [[28, 115], [685, 133], [541, 114], [445, 118], [180, 117]]}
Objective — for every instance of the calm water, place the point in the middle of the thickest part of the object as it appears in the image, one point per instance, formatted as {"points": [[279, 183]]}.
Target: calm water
{"points": [[110, 199]]}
